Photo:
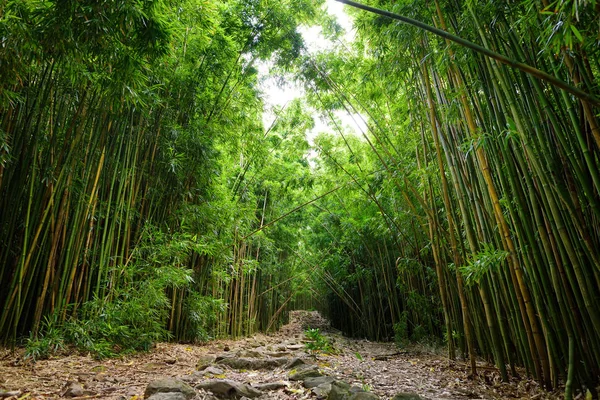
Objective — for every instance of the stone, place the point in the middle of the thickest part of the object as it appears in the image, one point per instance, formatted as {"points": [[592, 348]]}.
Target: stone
{"points": [[364, 396], [250, 354], [205, 361], [406, 396], [356, 389], [302, 374], [73, 389], [295, 346], [227, 388], [169, 385], [339, 391], [213, 371], [269, 386], [167, 396], [295, 362], [278, 354], [322, 391], [312, 382], [253, 363]]}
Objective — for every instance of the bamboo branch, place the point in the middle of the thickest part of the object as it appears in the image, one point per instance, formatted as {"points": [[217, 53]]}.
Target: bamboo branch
{"points": [[294, 210]]}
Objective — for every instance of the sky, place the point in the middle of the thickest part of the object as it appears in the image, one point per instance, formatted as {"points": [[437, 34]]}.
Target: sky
{"points": [[277, 96]]}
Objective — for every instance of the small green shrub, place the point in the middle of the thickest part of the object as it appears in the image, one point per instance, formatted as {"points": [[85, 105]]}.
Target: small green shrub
{"points": [[317, 342], [132, 321], [41, 347]]}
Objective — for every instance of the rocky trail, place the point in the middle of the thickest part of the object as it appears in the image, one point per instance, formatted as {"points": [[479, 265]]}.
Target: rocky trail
{"points": [[277, 366]]}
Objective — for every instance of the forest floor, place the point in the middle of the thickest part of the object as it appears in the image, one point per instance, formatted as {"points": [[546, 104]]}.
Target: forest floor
{"points": [[379, 368]]}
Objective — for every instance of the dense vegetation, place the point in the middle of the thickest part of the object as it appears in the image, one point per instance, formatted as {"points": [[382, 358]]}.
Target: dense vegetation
{"points": [[142, 199]]}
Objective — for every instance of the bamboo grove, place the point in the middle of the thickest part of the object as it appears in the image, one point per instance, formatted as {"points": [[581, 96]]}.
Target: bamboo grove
{"points": [[141, 197], [125, 130], [481, 179]]}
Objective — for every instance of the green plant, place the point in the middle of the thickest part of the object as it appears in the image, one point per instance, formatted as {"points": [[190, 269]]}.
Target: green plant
{"points": [[203, 314], [42, 346], [401, 330], [317, 342]]}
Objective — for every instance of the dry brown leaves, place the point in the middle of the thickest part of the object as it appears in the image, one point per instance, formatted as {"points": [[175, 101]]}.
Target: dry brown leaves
{"points": [[378, 367]]}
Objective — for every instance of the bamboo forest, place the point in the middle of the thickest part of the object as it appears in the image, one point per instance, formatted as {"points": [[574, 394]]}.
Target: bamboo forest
{"points": [[190, 172]]}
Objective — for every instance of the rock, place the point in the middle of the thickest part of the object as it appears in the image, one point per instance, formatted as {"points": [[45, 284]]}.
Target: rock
{"points": [[229, 389], [322, 391], [356, 389], [339, 391], [406, 396], [295, 347], [364, 396], [250, 354], [170, 361], [269, 386], [169, 385], [295, 362], [204, 361], [278, 354], [312, 382], [213, 371], [73, 389], [197, 376], [302, 374], [253, 363], [168, 396]]}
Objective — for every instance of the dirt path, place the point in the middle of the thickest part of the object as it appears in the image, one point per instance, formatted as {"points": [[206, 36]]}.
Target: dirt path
{"points": [[373, 367]]}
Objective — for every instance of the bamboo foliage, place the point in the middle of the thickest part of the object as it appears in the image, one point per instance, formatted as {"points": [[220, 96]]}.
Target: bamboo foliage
{"points": [[507, 169], [118, 127]]}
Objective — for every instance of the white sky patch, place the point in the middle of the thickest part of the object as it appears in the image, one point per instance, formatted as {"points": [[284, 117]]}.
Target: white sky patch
{"points": [[276, 96]]}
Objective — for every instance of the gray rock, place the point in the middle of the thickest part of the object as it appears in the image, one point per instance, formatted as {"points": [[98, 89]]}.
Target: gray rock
{"points": [[250, 354], [407, 396], [253, 363], [167, 396], [312, 382], [295, 362], [339, 391], [192, 378], [197, 376], [322, 391], [295, 346], [213, 370], [364, 396], [268, 386], [205, 361], [73, 389], [169, 385], [278, 354], [229, 389], [301, 375]]}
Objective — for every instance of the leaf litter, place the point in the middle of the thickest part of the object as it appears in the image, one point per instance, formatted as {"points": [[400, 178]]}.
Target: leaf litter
{"points": [[380, 368]]}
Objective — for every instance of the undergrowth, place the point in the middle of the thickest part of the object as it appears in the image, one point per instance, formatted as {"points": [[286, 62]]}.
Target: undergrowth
{"points": [[133, 313], [317, 342]]}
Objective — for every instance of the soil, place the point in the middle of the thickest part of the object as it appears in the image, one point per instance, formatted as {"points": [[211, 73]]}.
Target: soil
{"points": [[381, 368]]}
